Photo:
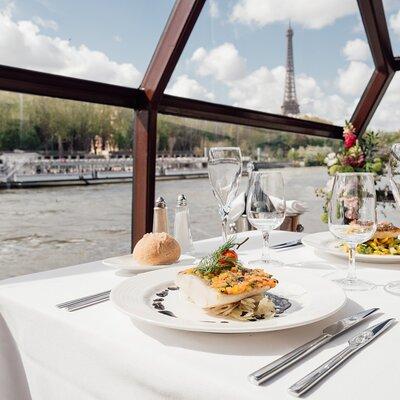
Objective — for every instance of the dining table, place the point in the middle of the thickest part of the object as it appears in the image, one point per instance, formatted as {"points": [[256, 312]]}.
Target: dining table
{"points": [[47, 353]]}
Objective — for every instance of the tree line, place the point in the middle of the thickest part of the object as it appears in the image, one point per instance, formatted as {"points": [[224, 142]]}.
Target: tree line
{"points": [[63, 127]]}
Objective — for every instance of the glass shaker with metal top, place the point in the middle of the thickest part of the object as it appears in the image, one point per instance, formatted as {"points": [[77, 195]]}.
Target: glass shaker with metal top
{"points": [[182, 231], [160, 219]]}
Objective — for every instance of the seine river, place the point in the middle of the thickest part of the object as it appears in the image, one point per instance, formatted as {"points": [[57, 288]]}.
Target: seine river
{"points": [[46, 228]]}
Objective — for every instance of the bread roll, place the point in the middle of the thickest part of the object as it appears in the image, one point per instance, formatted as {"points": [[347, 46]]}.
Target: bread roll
{"points": [[156, 249]]}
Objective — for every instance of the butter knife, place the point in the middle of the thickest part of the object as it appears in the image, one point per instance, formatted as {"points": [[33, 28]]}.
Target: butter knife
{"points": [[355, 344], [291, 243], [295, 355]]}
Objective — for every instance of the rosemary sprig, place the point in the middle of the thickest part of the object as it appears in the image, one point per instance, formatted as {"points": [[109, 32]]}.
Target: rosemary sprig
{"points": [[216, 261]]}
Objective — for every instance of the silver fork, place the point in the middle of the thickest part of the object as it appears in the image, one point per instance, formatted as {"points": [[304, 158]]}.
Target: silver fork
{"points": [[86, 301], [89, 303]]}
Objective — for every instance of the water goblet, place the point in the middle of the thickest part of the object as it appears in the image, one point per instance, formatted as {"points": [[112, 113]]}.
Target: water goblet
{"points": [[224, 172], [352, 219], [394, 180], [266, 208]]}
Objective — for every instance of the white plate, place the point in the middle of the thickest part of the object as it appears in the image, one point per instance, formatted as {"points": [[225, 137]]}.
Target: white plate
{"points": [[313, 298], [127, 262], [327, 243]]}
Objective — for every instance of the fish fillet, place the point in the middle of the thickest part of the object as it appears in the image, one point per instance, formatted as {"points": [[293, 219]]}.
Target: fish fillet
{"points": [[196, 290]]}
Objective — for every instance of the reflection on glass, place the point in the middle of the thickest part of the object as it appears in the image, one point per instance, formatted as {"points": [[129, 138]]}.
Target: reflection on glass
{"points": [[266, 208], [394, 179], [352, 218], [224, 171], [394, 172]]}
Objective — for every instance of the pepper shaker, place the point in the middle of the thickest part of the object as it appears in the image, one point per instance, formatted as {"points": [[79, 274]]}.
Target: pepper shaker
{"points": [[160, 219]]}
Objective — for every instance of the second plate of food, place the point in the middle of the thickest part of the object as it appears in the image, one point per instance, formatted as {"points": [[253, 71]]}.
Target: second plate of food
{"points": [[327, 243], [300, 298]]}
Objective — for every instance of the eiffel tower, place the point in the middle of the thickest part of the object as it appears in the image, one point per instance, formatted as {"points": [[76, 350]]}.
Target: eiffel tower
{"points": [[290, 104]]}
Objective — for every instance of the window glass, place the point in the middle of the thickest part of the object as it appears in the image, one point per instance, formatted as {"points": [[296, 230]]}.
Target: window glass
{"points": [[53, 156], [238, 52], [386, 122], [182, 143], [392, 11], [91, 39]]}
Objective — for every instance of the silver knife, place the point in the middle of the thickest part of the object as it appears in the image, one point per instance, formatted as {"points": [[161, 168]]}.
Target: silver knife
{"points": [[355, 344], [295, 355], [287, 244]]}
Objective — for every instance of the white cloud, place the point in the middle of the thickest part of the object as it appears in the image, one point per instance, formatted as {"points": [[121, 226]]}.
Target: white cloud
{"points": [[199, 54], [260, 90], [214, 10], [45, 23], [356, 50], [117, 38], [23, 45], [186, 87], [394, 22], [314, 14], [353, 80], [222, 62], [387, 116], [263, 90]]}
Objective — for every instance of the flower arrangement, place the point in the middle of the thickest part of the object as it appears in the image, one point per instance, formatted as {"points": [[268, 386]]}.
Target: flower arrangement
{"points": [[356, 155]]}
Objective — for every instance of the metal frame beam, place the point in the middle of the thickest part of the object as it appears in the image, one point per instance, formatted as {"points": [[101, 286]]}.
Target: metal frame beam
{"points": [[374, 20], [144, 171], [166, 55], [44, 84], [169, 48], [197, 109], [370, 100]]}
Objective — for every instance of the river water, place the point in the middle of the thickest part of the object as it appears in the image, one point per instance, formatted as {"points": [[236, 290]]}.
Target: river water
{"points": [[45, 228]]}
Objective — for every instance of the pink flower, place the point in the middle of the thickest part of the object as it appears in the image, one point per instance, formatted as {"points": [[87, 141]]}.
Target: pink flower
{"points": [[350, 139], [357, 161]]}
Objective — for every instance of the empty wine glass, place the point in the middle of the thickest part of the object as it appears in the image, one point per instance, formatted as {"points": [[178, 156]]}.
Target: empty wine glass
{"points": [[394, 179], [224, 171], [352, 218], [266, 208]]}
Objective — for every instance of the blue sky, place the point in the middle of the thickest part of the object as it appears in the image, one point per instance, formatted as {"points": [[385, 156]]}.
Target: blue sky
{"points": [[235, 55]]}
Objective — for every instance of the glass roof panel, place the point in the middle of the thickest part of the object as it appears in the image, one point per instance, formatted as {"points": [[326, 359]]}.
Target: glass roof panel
{"points": [[236, 55], [99, 40], [387, 116], [392, 11]]}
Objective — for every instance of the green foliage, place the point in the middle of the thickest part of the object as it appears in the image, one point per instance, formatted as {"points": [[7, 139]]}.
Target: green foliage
{"points": [[369, 143], [67, 127]]}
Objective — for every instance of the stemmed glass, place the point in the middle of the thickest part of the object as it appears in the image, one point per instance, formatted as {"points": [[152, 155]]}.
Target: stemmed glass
{"points": [[224, 171], [266, 208], [394, 179], [352, 218]]}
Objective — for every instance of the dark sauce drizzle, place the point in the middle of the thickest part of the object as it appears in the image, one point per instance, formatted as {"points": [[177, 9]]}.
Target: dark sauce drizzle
{"points": [[281, 305], [169, 313]]}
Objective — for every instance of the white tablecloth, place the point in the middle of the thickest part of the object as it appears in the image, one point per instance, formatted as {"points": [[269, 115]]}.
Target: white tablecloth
{"points": [[98, 353]]}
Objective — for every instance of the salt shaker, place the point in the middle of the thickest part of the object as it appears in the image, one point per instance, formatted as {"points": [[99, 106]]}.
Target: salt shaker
{"points": [[182, 225], [160, 219]]}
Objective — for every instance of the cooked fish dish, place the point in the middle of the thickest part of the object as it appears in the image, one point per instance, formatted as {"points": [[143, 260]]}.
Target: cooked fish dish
{"points": [[220, 284]]}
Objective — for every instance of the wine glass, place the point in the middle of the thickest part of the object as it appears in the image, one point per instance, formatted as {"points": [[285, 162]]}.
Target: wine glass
{"points": [[266, 208], [224, 172], [352, 218], [394, 180]]}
